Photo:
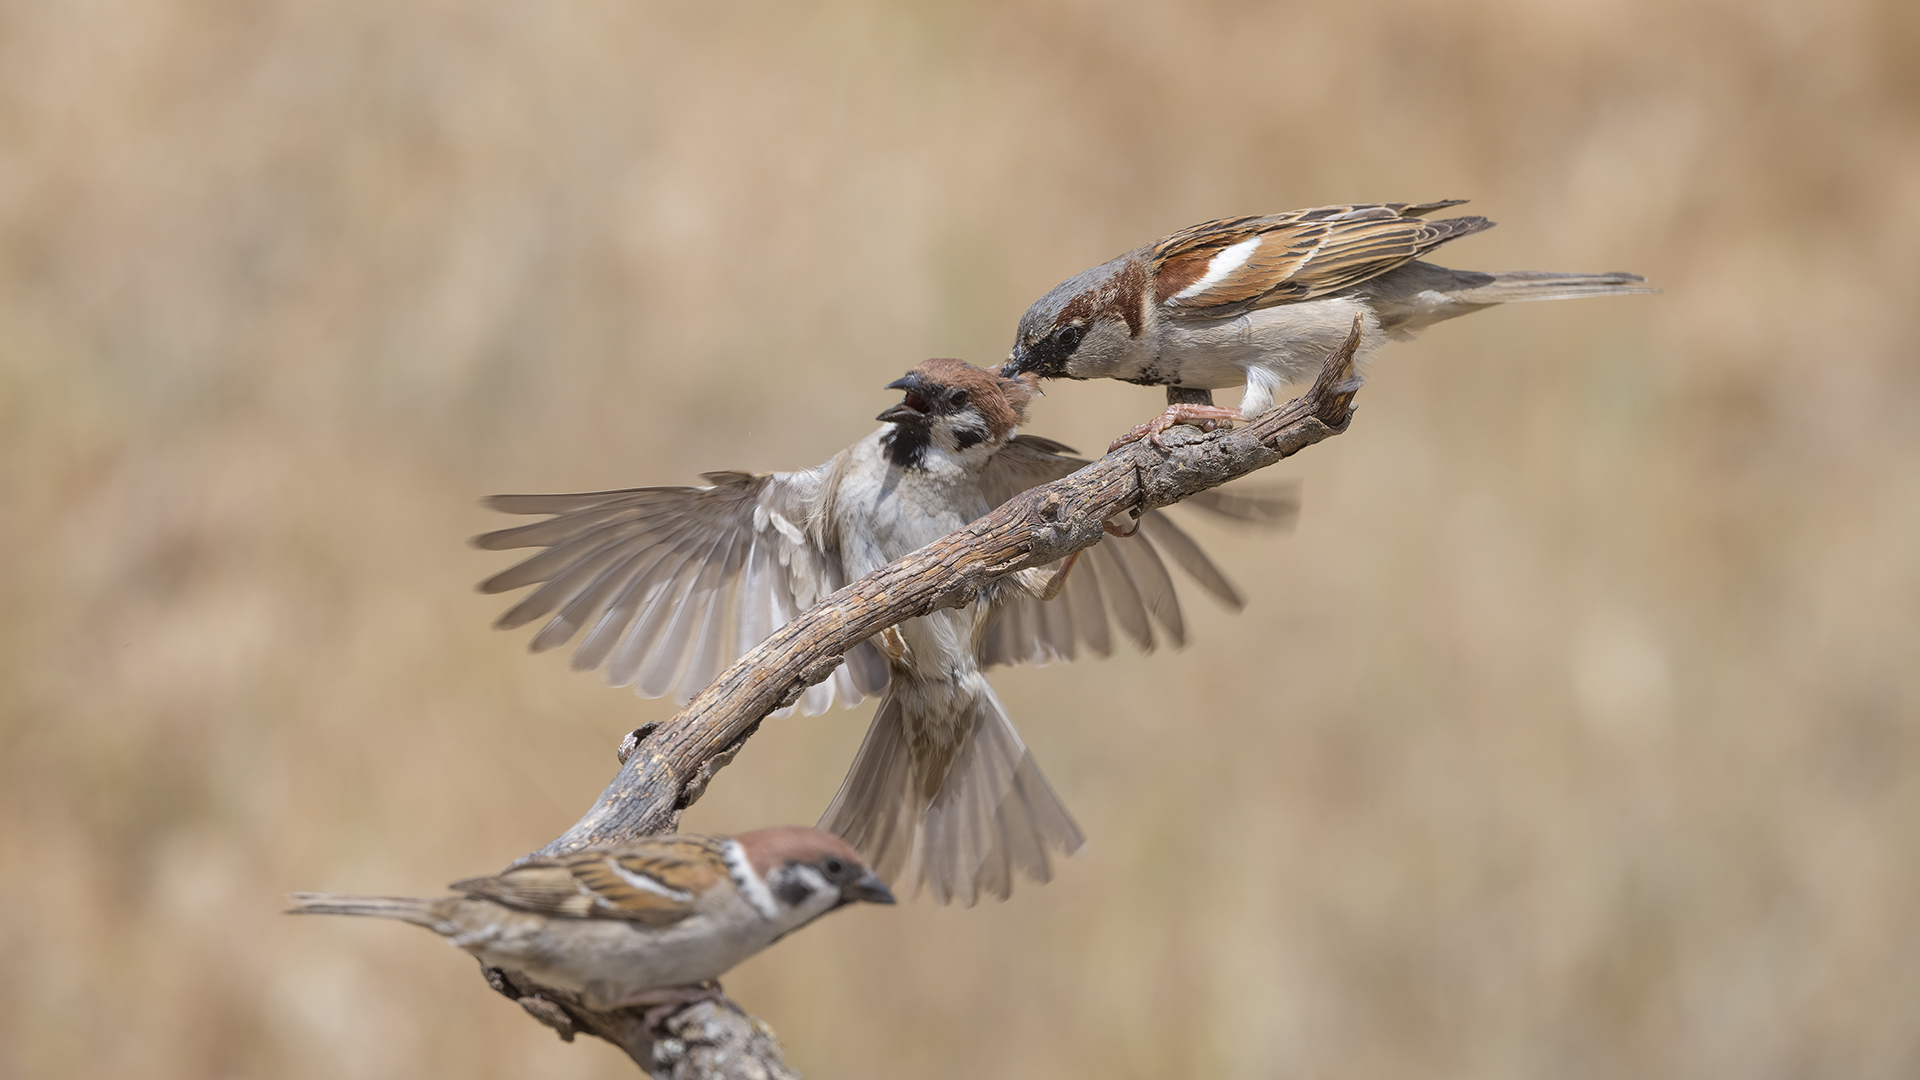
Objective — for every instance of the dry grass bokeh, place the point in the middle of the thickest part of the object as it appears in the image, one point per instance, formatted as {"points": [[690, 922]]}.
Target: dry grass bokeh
{"points": [[1576, 731]]}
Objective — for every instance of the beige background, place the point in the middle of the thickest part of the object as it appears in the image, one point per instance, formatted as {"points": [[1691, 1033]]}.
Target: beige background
{"points": [[1574, 733]]}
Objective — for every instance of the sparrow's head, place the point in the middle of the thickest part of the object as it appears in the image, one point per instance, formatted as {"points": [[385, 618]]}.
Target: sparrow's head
{"points": [[952, 405], [808, 871], [1081, 328]]}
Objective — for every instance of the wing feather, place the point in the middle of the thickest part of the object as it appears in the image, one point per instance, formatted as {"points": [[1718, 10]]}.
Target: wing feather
{"points": [[657, 881], [1089, 612], [1155, 584], [589, 605], [633, 592], [679, 609], [1173, 541], [1122, 592], [1236, 264], [1119, 582], [672, 584], [716, 621]]}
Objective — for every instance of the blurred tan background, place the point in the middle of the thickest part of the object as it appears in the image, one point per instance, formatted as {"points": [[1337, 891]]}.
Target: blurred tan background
{"points": [[1574, 733]]}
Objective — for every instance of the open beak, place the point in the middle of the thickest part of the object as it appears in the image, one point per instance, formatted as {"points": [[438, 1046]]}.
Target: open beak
{"points": [[913, 407]]}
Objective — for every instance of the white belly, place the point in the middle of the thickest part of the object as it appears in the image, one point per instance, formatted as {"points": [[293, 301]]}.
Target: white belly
{"points": [[624, 959], [1266, 348]]}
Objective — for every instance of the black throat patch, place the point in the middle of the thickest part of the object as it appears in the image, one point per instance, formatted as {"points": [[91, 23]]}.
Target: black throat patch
{"points": [[907, 443]]}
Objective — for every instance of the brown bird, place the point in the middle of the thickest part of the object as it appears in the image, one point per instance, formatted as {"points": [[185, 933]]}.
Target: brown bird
{"points": [[629, 925], [1263, 300]]}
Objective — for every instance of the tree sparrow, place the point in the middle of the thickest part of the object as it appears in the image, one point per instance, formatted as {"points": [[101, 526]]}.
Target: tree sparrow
{"points": [[1263, 300], [674, 583], [622, 925]]}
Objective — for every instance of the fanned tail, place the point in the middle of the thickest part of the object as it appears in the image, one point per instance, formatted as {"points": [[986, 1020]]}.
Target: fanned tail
{"points": [[879, 806], [993, 814]]}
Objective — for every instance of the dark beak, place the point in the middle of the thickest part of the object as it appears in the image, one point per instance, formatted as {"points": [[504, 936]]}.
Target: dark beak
{"points": [[910, 383], [869, 888], [1012, 367]]}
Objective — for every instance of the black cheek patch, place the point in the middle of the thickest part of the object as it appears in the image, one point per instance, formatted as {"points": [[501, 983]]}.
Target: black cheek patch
{"points": [[968, 436], [792, 890]]}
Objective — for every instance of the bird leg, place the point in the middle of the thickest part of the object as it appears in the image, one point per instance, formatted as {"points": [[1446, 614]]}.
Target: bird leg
{"points": [[1046, 588], [1043, 587], [1204, 417]]}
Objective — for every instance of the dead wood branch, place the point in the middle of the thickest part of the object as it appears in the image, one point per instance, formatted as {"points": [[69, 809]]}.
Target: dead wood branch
{"points": [[666, 767]]}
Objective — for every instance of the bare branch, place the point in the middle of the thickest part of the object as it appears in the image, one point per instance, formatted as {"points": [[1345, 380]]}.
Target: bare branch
{"points": [[666, 767]]}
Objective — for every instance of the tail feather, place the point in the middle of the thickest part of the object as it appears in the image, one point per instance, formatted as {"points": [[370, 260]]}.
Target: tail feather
{"points": [[1413, 297], [992, 817], [1516, 286], [878, 805], [405, 908]]}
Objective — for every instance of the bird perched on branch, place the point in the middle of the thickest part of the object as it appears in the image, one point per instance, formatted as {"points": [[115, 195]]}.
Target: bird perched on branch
{"points": [[673, 584], [641, 923], [1261, 300]]}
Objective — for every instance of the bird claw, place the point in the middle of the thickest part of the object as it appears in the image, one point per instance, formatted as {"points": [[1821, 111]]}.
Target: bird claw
{"points": [[1042, 584], [895, 645], [1204, 417]]}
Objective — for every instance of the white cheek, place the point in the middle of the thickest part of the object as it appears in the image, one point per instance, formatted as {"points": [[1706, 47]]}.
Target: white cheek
{"points": [[749, 883], [819, 894]]}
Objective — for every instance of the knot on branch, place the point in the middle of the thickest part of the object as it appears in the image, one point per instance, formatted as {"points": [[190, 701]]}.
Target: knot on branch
{"points": [[697, 787], [633, 740], [814, 674]]}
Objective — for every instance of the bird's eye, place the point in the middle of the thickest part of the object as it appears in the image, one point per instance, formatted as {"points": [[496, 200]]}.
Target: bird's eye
{"points": [[1067, 338], [834, 867], [959, 399]]}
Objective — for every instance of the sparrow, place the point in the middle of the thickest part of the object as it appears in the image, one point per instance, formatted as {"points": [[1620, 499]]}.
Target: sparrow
{"points": [[672, 584], [1263, 300], [627, 926]]}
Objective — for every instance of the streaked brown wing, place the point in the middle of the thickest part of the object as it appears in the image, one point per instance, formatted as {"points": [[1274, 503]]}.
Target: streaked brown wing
{"points": [[543, 886], [1120, 582], [672, 584], [1237, 264], [656, 882]]}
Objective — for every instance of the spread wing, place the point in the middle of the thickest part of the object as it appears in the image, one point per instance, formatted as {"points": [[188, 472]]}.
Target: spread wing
{"points": [[672, 584], [1119, 581], [654, 882], [1237, 264]]}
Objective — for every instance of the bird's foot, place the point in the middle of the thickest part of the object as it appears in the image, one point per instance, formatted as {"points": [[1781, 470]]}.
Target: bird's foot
{"points": [[1059, 579], [1204, 417], [1041, 583], [895, 645], [666, 1001]]}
